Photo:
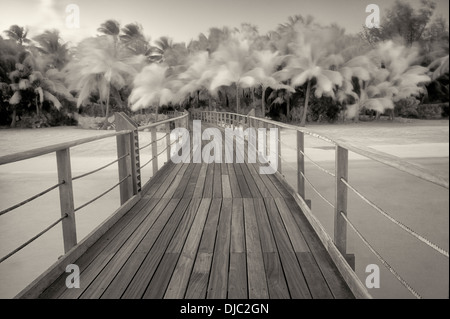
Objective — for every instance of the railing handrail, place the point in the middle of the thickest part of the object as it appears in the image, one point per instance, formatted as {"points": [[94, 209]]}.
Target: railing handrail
{"points": [[141, 128], [39, 151], [381, 157]]}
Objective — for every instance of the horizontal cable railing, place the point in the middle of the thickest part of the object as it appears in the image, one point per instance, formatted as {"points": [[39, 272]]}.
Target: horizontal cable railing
{"points": [[126, 131], [340, 175], [30, 199]]}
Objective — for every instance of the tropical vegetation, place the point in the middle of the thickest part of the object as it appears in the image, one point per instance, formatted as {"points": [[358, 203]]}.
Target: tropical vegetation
{"points": [[301, 72]]}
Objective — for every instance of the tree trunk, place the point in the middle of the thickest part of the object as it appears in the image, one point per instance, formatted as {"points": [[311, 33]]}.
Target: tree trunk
{"points": [[38, 113], [263, 102], [288, 106], [198, 99], [237, 97], [13, 122], [105, 124], [305, 109]]}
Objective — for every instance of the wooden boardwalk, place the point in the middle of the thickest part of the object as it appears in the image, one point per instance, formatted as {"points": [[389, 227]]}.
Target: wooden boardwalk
{"points": [[211, 231]]}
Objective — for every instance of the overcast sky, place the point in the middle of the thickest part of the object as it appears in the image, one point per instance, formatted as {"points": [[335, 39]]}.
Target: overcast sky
{"points": [[183, 20]]}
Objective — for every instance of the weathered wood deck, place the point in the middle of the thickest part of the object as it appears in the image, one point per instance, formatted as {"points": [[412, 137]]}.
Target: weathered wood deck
{"points": [[208, 231]]}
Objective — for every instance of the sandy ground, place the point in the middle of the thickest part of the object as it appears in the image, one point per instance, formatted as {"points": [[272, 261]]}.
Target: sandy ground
{"points": [[422, 142]]}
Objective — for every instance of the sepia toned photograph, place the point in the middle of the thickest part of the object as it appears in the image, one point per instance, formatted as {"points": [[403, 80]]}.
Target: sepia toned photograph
{"points": [[238, 151]]}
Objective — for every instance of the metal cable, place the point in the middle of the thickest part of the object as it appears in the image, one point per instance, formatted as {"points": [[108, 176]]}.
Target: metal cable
{"points": [[102, 194], [157, 140], [318, 193], [98, 169], [32, 239], [317, 165], [383, 261], [398, 223], [30, 199]]}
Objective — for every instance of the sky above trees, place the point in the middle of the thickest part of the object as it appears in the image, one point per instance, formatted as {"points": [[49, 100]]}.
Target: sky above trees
{"points": [[184, 20]]}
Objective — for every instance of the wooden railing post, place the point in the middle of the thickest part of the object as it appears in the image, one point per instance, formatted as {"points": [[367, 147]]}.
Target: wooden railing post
{"points": [[300, 164], [66, 199], [279, 151], [128, 165], [168, 141], [154, 151], [340, 225]]}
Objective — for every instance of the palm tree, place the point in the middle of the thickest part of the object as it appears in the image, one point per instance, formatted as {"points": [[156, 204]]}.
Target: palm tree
{"points": [[99, 65], [309, 49], [397, 76], [154, 86], [110, 27], [264, 71], [18, 34], [232, 61], [55, 52]]}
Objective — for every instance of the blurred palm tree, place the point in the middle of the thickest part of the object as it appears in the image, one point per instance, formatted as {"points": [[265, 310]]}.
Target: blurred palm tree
{"points": [[99, 65], [55, 52], [309, 48], [18, 34]]}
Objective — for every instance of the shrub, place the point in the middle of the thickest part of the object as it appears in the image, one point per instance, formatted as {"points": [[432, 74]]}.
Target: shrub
{"points": [[430, 111]]}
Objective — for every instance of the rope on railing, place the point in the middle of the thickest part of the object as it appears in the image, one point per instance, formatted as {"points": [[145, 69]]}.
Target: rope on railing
{"points": [[159, 139], [398, 223], [383, 261], [315, 190], [32, 239], [317, 165], [151, 159], [100, 168], [30, 199], [102, 194]]}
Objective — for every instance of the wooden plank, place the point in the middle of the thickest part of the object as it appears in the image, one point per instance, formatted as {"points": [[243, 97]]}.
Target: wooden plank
{"points": [[168, 181], [275, 277], [334, 279], [142, 277], [235, 190], [180, 278], [271, 188], [198, 191], [120, 282], [184, 181], [209, 232], [198, 282], [217, 182], [160, 280], [296, 237], [237, 280], [245, 190], [268, 244], [208, 188], [102, 269], [250, 181], [279, 186], [294, 277], [178, 241], [48, 283], [190, 188], [226, 187], [259, 182], [257, 283], [218, 282], [313, 276], [237, 227]]}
